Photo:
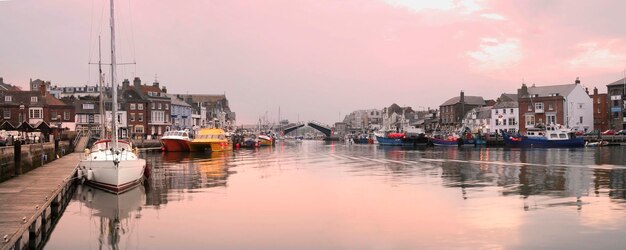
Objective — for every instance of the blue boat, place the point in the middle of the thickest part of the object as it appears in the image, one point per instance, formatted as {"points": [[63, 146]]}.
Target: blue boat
{"points": [[551, 137]]}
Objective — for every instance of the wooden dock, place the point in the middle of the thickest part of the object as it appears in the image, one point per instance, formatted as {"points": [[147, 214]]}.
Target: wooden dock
{"points": [[29, 203]]}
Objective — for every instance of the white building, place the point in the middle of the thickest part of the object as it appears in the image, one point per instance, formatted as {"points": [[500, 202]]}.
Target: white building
{"points": [[504, 115], [478, 120]]}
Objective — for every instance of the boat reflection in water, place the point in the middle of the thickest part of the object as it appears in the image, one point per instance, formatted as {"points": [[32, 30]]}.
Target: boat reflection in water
{"points": [[115, 216]]}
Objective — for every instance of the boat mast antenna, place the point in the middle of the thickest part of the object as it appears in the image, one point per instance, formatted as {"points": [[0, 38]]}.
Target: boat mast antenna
{"points": [[113, 82], [101, 87]]}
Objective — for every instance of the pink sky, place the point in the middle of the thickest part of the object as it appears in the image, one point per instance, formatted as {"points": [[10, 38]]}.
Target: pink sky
{"points": [[321, 59]]}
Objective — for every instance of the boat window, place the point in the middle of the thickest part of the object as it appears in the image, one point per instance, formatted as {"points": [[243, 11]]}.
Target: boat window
{"points": [[553, 136], [563, 135]]}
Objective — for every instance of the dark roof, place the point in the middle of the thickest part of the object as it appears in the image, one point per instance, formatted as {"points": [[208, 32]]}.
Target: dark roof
{"points": [[471, 100], [618, 82], [508, 97], [506, 104], [562, 90], [24, 97]]}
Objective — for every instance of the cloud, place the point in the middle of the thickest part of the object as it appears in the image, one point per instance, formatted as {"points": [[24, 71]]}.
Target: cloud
{"points": [[593, 55], [495, 54], [464, 6], [493, 16]]}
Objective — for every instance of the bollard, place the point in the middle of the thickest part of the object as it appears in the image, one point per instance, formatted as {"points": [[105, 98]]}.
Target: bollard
{"points": [[17, 156]]}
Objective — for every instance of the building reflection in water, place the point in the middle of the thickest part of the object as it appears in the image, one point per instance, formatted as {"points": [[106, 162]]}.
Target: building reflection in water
{"points": [[114, 216]]}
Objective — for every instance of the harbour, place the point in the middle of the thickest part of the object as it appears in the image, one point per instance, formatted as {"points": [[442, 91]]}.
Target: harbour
{"points": [[304, 195], [382, 124]]}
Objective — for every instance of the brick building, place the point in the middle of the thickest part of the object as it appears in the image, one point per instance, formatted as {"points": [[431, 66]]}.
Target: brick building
{"points": [[454, 109], [35, 107], [600, 110]]}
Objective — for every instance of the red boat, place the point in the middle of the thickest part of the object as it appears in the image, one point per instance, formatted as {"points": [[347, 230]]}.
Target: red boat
{"points": [[176, 141]]}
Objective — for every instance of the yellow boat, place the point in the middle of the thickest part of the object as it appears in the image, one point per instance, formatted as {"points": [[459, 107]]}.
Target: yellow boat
{"points": [[210, 139]]}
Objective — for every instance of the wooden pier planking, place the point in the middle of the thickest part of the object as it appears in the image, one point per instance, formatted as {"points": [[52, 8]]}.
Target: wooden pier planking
{"points": [[28, 195]]}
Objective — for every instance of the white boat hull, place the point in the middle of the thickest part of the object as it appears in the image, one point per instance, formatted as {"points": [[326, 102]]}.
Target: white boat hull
{"points": [[102, 171]]}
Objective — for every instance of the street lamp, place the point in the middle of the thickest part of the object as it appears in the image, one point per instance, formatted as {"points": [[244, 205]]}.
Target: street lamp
{"points": [[59, 125]]}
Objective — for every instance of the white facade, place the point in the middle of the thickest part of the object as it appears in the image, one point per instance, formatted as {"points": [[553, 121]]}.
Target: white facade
{"points": [[478, 120], [122, 123], [579, 110], [504, 118]]}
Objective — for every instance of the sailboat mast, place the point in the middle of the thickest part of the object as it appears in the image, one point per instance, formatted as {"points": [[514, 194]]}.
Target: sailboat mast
{"points": [[113, 82], [101, 87]]}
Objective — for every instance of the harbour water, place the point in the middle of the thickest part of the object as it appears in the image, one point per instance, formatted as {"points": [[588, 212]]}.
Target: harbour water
{"points": [[317, 195]]}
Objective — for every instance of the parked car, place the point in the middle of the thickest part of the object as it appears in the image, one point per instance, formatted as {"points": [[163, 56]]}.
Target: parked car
{"points": [[609, 132], [579, 132], [621, 132], [590, 133]]}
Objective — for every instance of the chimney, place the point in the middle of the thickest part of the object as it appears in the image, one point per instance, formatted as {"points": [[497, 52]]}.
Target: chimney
{"points": [[125, 84], [595, 91], [1, 80], [42, 89], [462, 100], [522, 92], [577, 81], [155, 84], [164, 89], [137, 82], [587, 90]]}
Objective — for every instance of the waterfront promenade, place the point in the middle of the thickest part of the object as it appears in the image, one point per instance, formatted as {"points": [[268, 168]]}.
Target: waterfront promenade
{"points": [[29, 202]]}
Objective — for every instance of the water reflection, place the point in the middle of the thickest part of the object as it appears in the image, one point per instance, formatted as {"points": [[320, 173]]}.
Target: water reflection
{"points": [[331, 195], [175, 173], [114, 217]]}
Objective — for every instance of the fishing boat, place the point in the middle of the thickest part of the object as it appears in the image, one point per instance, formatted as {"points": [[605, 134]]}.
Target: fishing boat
{"points": [[552, 136], [176, 141], [387, 138], [265, 140], [112, 164], [250, 141], [414, 137], [210, 139]]}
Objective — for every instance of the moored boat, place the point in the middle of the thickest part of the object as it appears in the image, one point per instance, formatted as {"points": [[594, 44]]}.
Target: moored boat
{"points": [[551, 137], [210, 139], [112, 168], [389, 138], [112, 164], [176, 141], [265, 140]]}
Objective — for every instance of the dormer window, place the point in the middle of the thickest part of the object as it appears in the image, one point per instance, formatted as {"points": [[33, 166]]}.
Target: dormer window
{"points": [[33, 99], [8, 98]]}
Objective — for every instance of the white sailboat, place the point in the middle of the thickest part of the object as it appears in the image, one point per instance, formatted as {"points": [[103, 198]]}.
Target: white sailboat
{"points": [[111, 164]]}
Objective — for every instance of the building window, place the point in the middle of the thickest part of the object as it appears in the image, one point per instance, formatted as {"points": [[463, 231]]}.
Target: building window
{"points": [[497, 111], [160, 106], [503, 111], [6, 114], [598, 98], [551, 119], [539, 106], [33, 99], [140, 106], [167, 106], [88, 106], [530, 120], [8, 98], [530, 108], [35, 113], [132, 117], [132, 106], [581, 120], [66, 115], [550, 107], [511, 111], [140, 118], [139, 129], [91, 118], [53, 115], [580, 105], [512, 121]]}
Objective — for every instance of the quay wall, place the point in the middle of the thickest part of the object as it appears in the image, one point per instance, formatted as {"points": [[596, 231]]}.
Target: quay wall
{"points": [[31, 157]]}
